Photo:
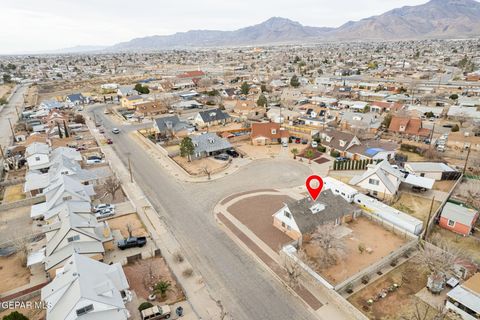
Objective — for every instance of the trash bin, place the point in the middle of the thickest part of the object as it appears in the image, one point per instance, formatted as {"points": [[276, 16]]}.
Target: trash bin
{"points": [[179, 311]]}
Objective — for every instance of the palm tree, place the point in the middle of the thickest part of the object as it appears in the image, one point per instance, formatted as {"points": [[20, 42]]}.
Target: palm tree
{"points": [[309, 154], [162, 287], [294, 152]]}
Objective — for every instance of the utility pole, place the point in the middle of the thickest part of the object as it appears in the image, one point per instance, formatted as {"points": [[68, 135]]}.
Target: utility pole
{"points": [[431, 135], [1, 150], [466, 160], [130, 169], [428, 220], [11, 128]]}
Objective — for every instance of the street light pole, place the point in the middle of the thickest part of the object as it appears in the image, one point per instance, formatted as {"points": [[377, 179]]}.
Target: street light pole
{"points": [[11, 128]]}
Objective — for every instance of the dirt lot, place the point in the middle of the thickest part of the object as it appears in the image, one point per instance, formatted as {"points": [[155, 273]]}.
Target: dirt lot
{"points": [[107, 198], [13, 193], [445, 185], [15, 223], [122, 223], [468, 245], [143, 274], [363, 231], [12, 273], [416, 206], [398, 303], [32, 313], [197, 167], [256, 214], [5, 90], [412, 156]]}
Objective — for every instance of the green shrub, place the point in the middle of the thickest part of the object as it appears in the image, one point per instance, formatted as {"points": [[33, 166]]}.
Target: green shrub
{"points": [[144, 305], [334, 153]]}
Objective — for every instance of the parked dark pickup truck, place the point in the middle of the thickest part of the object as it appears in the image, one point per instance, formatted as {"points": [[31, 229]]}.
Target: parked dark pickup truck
{"points": [[132, 242]]}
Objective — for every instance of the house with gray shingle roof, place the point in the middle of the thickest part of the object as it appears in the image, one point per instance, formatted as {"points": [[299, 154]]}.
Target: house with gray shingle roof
{"points": [[300, 217], [213, 117], [171, 126], [209, 144]]}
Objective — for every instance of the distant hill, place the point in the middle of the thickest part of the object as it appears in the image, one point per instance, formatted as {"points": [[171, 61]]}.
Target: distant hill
{"points": [[434, 19], [274, 30]]}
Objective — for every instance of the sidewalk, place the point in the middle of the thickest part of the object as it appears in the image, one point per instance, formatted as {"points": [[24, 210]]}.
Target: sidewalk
{"points": [[159, 155], [198, 295], [312, 294]]}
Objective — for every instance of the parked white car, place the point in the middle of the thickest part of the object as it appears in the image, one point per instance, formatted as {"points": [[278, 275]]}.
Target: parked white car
{"points": [[103, 206], [104, 213], [314, 144]]}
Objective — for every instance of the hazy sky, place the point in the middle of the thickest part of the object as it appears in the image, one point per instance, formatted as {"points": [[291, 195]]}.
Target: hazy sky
{"points": [[36, 25]]}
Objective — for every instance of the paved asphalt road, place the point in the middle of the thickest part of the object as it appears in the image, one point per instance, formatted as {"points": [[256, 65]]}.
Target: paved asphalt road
{"points": [[9, 112], [245, 288]]}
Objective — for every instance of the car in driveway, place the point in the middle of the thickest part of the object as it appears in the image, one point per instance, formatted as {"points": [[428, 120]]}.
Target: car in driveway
{"points": [[341, 159], [232, 153], [156, 313], [103, 206], [298, 140], [94, 161], [314, 144], [115, 130], [132, 242], [109, 141], [105, 213], [222, 156]]}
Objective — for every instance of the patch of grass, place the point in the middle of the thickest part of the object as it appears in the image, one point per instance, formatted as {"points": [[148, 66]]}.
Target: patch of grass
{"points": [[404, 208]]}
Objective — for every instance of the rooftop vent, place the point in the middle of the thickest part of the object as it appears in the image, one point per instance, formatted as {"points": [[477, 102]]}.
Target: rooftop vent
{"points": [[316, 208]]}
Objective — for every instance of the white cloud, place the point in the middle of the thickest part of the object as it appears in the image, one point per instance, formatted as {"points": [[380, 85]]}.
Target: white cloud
{"points": [[33, 25]]}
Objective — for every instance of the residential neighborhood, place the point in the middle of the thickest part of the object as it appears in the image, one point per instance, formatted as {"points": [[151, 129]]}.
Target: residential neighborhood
{"points": [[272, 172]]}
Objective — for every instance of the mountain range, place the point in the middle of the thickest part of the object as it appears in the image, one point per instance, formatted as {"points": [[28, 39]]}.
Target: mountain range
{"points": [[434, 19]]}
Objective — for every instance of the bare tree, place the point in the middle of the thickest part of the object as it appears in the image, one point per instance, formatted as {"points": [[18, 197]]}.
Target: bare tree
{"points": [[21, 247], [112, 184], [438, 257], [470, 191], [294, 271], [432, 154], [129, 229], [331, 246], [424, 311], [207, 171]]}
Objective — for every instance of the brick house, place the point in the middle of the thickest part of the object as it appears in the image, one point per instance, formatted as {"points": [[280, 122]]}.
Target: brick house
{"points": [[268, 133]]}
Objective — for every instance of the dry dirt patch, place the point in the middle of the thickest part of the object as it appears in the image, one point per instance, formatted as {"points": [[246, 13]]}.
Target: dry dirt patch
{"points": [[197, 167], [122, 223], [417, 206], [13, 193], [256, 214], [371, 235], [398, 303], [143, 274], [12, 273]]}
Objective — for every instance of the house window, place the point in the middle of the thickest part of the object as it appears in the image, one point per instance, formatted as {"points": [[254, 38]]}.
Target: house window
{"points": [[283, 224], [287, 214], [84, 310], [67, 198], [37, 158], [374, 182], [375, 193], [289, 228], [451, 223], [74, 238]]}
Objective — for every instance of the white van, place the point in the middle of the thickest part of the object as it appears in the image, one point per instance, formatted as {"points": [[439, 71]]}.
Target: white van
{"points": [[156, 312]]}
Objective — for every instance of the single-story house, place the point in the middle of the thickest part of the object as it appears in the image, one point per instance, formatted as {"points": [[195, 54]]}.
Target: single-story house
{"points": [[458, 218], [408, 126], [75, 99], [209, 144], [464, 299], [171, 126], [268, 133], [300, 217], [85, 288], [213, 117], [433, 170]]}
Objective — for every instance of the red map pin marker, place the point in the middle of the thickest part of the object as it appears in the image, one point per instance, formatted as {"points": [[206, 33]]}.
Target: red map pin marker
{"points": [[314, 186]]}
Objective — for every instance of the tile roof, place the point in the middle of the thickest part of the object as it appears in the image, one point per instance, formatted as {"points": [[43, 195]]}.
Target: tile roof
{"points": [[266, 130]]}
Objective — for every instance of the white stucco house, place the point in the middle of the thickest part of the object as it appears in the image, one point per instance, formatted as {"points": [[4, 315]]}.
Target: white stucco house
{"points": [[87, 289]]}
